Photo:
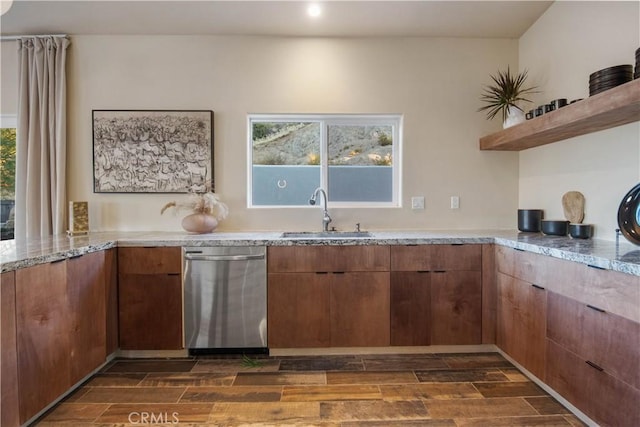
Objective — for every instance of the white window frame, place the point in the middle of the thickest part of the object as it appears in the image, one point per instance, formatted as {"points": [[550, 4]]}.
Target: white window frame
{"points": [[8, 121], [326, 120]]}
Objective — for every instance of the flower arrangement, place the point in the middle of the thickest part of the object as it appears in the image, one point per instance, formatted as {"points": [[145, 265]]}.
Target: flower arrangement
{"points": [[204, 203]]}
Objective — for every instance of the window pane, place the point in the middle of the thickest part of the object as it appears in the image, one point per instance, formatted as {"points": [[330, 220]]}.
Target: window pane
{"points": [[7, 181], [360, 163], [286, 162]]}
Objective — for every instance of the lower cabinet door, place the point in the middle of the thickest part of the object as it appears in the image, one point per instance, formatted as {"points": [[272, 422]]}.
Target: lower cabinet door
{"points": [[521, 322], [86, 284], [9, 409], [359, 309], [600, 396], [150, 311], [410, 308], [456, 307], [298, 310], [111, 298], [44, 322]]}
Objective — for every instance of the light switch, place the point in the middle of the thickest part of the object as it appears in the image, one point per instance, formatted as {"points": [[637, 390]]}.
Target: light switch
{"points": [[417, 202]]}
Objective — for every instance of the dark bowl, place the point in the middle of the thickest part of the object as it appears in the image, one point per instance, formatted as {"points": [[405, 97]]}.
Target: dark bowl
{"points": [[581, 231], [555, 227], [529, 220]]}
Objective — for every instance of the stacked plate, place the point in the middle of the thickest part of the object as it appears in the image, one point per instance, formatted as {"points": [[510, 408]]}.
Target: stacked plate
{"points": [[636, 75], [609, 78]]}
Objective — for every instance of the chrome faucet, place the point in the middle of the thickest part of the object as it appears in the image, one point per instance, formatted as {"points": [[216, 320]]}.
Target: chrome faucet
{"points": [[326, 219]]}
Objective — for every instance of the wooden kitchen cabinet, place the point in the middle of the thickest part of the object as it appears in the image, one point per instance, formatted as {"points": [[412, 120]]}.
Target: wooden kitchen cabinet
{"points": [[111, 299], [489, 294], [61, 327], [591, 331], [150, 260], [456, 307], [521, 322], [86, 291], [410, 308], [311, 259], [321, 296], [436, 257], [602, 397], [446, 283], [299, 313], [604, 339], [150, 298], [44, 321], [9, 405], [359, 309]]}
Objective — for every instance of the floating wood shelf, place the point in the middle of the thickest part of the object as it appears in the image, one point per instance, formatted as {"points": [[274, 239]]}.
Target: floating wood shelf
{"points": [[614, 107]]}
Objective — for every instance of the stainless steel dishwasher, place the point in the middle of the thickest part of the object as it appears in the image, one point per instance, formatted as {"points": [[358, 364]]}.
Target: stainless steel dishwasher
{"points": [[225, 299]]}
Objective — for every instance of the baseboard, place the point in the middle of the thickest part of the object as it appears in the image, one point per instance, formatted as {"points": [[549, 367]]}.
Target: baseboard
{"points": [[327, 351], [152, 354]]}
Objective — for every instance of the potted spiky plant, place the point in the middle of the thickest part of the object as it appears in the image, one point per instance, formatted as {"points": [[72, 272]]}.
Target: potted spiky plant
{"points": [[503, 95]]}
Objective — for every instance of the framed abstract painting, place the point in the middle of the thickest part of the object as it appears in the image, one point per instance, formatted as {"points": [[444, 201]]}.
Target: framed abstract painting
{"points": [[152, 151]]}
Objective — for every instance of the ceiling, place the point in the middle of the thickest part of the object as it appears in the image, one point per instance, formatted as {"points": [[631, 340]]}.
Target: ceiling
{"points": [[508, 19]]}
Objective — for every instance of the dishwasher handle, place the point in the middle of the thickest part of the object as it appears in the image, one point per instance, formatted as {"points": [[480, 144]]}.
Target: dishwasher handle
{"points": [[191, 257]]}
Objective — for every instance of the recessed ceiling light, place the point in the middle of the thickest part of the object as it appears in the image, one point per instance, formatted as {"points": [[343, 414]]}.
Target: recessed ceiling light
{"points": [[314, 10]]}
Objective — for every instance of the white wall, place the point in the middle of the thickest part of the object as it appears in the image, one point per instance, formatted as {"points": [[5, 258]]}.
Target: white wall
{"points": [[435, 83], [8, 77], [569, 42]]}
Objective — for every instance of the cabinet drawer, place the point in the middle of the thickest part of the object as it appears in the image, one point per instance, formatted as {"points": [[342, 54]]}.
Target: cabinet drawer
{"points": [[613, 291], [147, 260], [600, 396], [522, 265], [309, 259], [610, 341], [436, 257]]}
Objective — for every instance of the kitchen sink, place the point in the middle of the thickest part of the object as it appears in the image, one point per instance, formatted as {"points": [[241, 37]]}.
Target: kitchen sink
{"points": [[325, 234]]}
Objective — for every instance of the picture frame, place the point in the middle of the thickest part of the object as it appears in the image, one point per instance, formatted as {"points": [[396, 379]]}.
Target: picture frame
{"points": [[152, 151]]}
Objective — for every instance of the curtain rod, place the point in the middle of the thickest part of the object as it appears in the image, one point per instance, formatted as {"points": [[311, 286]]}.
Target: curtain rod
{"points": [[10, 38]]}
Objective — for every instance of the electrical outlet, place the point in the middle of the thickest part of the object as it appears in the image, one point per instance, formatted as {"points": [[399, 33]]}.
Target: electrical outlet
{"points": [[417, 202], [455, 202]]}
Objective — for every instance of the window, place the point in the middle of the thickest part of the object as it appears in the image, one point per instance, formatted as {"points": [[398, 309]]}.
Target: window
{"points": [[7, 175], [356, 158]]}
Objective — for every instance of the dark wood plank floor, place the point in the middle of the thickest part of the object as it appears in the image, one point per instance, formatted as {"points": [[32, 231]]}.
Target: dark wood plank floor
{"points": [[480, 389]]}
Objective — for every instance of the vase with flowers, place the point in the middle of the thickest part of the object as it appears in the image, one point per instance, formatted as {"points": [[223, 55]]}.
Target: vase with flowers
{"points": [[207, 210], [503, 95]]}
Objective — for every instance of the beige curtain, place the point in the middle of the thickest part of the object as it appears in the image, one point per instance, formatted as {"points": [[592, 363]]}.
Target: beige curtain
{"points": [[41, 137]]}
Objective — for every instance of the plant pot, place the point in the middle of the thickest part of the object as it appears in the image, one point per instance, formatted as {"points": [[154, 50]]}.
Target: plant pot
{"points": [[199, 223], [514, 116]]}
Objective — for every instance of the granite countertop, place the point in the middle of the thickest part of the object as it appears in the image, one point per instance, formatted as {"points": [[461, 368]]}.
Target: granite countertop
{"points": [[622, 256]]}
